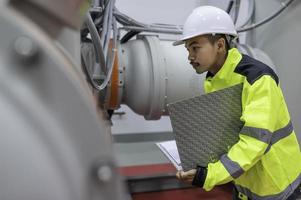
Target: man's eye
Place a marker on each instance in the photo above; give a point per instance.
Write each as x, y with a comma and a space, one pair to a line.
195, 48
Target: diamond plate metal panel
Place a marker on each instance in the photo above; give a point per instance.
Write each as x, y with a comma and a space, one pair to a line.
206, 126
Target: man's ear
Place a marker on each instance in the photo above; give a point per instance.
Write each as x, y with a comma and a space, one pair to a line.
221, 44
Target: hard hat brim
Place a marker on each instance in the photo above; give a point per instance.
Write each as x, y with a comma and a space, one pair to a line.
178, 42
182, 41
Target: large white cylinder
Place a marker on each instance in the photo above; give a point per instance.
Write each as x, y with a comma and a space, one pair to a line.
156, 73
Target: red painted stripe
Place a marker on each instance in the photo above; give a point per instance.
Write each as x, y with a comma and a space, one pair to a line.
143, 170
218, 193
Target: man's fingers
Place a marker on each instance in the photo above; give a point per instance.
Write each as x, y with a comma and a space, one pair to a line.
179, 175
186, 177
188, 174
191, 172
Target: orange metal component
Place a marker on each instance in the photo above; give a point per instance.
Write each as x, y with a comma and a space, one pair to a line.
113, 99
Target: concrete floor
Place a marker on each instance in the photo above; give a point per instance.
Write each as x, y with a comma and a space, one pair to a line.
138, 153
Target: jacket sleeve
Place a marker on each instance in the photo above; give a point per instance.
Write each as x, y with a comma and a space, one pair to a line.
259, 110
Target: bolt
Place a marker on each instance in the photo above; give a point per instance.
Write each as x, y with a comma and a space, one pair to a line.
25, 48
104, 173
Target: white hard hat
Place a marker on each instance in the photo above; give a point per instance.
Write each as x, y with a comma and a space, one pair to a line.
207, 20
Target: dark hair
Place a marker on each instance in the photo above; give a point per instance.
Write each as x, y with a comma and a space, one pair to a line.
213, 38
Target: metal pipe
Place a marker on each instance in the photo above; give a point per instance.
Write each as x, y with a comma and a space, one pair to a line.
264, 21
105, 24
99, 56
250, 13
155, 30
112, 60
108, 34
128, 21
230, 5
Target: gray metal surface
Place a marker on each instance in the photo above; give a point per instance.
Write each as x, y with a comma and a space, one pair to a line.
53, 143
206, 126
68, 12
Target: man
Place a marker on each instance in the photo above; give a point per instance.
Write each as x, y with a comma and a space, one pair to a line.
265, 163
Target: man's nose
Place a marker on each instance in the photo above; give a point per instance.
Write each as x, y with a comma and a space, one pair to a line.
190, 57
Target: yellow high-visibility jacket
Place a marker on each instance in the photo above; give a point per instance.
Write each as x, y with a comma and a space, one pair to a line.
266, 161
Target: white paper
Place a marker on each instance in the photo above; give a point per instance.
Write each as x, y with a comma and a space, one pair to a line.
170, 150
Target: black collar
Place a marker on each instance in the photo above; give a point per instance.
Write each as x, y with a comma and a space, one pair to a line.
209, 74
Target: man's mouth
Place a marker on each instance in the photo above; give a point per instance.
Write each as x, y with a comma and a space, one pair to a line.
194, 64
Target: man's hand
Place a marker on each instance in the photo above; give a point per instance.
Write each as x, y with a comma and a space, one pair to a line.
186, 177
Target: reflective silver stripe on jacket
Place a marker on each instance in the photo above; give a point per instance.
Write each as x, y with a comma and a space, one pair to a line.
264, 135
232, 167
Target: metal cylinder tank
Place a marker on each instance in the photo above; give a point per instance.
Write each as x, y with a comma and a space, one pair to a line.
156, 73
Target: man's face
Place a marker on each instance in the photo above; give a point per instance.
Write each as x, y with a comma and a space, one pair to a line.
202, 54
